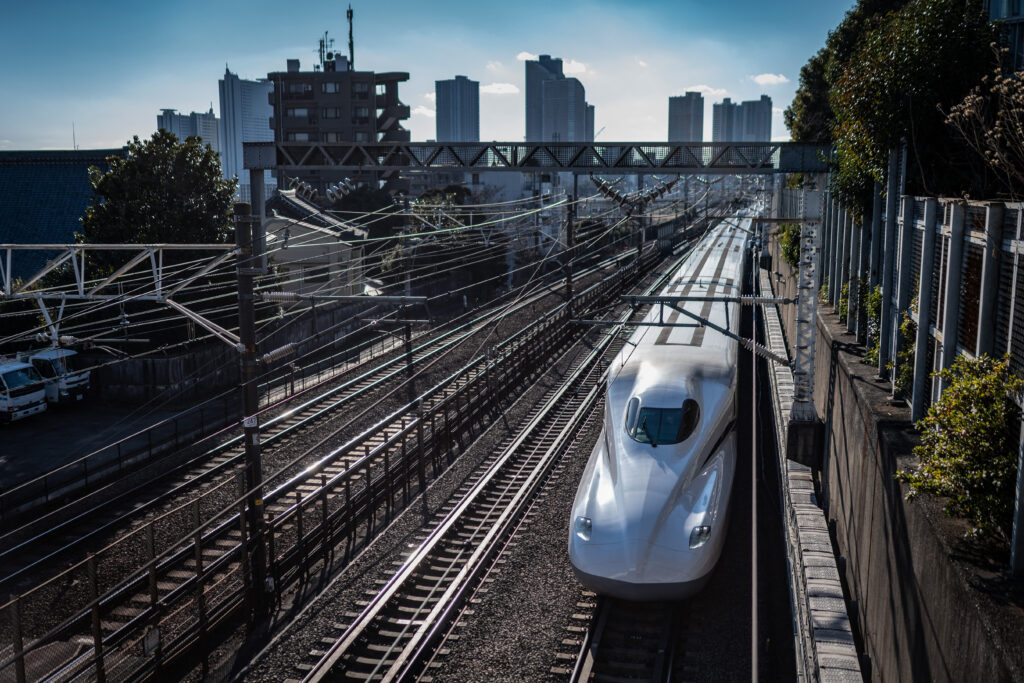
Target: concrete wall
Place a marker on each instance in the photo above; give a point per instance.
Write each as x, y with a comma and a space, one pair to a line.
917, 616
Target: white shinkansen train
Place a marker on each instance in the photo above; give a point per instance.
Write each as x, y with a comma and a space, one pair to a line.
652, 508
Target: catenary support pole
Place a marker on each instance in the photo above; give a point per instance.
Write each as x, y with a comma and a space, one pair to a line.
247, 268
1017, 543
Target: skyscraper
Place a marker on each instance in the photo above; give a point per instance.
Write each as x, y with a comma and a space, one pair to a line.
724, 122
458, 110
556, 106
757, 119
686, 117
565, 111
749, 121
184, 125
537, 72
245, 113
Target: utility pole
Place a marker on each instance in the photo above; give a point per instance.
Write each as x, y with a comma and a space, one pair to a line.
570, 238
247, 268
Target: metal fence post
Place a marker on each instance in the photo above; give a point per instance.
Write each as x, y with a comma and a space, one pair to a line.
833, 266
874, 277
887, 326
922, 373
951, 296
990, 278
853, 276
1017, 544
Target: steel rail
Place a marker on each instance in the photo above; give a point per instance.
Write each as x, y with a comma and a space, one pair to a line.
184, 589
426, 351
432, 627
440, 534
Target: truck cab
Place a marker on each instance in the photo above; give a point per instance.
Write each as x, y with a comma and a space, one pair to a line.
22, 392
60, 369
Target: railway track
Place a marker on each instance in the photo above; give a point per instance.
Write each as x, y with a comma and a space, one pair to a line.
630, 641
25, 554
170, 606
392, 637
396, 632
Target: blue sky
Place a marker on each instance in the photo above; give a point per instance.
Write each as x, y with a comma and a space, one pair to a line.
109, 67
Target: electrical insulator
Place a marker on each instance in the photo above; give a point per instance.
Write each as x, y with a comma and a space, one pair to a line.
278, 354
279, 296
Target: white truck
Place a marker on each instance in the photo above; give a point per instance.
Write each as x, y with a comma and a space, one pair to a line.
22, 391
62, 373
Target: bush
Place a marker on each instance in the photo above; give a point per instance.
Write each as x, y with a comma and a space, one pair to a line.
843, 306
969, 442
904, 377
823, 292
873, 307
789, 240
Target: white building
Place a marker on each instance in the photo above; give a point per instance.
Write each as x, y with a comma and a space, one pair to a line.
245, 114
183, 125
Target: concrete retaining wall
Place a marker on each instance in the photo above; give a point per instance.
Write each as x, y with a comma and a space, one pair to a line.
918, 617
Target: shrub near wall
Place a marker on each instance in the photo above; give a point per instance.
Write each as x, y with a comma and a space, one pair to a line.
969, 442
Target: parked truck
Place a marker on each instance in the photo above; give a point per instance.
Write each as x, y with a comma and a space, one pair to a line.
22, 390
62, 373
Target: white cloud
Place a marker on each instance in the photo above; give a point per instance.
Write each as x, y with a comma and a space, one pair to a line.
769, 79
573, 67
424, 111
523, 56
707, 90
778, 110
493, 66
499, 89
430, 96
641, 62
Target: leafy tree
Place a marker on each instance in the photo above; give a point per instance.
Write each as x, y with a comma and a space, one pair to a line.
968, 448
809, 117
912, 64
162, 191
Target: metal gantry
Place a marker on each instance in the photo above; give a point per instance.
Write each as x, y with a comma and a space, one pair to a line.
704, 158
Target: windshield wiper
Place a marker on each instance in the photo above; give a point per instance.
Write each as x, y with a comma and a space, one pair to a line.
650, 439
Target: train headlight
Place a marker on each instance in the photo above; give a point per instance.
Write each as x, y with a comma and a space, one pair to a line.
583, 527
699, 536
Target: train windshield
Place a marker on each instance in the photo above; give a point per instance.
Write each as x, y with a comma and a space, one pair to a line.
661, 425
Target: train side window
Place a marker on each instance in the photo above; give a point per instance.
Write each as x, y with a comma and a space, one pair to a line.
631, 409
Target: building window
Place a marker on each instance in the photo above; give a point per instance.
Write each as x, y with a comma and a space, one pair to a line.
299, 88
333, 137
297, 112
360, 90
332, 112
362, 136
331, 87
316, 274
297, 137
360, 115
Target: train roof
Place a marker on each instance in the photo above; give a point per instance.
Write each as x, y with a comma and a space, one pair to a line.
714, 267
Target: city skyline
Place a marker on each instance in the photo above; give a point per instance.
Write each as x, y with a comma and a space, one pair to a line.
670, 48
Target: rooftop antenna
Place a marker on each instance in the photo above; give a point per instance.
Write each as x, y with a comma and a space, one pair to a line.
325, 51
74, 139
351, 46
